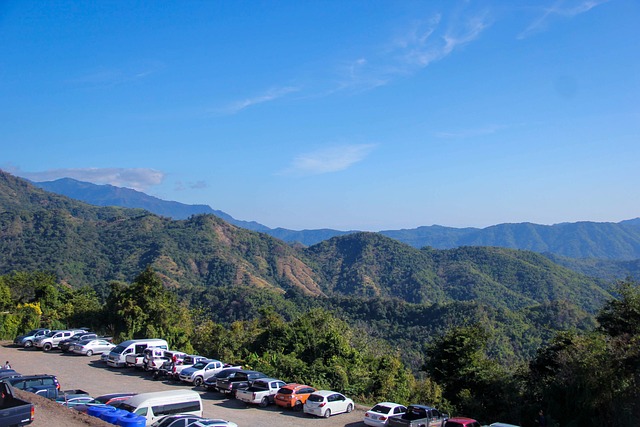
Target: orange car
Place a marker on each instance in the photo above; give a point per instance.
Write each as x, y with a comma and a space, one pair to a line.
293, 395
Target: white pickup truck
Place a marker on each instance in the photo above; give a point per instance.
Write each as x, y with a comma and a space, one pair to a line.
261, 392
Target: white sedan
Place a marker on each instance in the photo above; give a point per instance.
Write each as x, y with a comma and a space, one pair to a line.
324, 403
91, 347
379, 415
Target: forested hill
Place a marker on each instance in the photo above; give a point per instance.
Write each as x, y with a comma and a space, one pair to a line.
84, 244
615, 241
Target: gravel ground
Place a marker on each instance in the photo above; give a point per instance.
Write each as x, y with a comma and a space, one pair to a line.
91, 375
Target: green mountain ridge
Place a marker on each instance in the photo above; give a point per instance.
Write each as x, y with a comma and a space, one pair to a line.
84, 244
602, 240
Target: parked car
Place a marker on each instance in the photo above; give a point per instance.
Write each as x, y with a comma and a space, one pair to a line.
72, 398
26, 340
461, 422
187, 362
201, 371
52, 339
43, 385
91, 347
324, 403
418, 416
14, 411
8, 373
379, 415
211, 383
111, 399
178, 420
261, 392
212, 422
65, 344
242, 378
293, 395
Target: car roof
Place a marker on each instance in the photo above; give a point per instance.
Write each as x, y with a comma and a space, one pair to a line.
422, 406
325, 392
294, 386
393, 404
462, 419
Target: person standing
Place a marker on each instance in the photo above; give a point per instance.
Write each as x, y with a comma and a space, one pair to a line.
6, 365
542, 421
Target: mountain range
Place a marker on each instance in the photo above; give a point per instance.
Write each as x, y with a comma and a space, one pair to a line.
582, 240
90, 245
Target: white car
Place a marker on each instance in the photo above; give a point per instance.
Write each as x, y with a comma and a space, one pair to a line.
91, 347
324, 403
212, 422
379, 415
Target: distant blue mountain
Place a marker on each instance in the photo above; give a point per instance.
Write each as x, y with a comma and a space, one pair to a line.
601, 240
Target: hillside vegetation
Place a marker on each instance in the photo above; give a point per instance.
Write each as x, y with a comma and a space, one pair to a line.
612, 241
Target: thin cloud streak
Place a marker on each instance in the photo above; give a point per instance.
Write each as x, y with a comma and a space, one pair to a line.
139, 179
115, 76
559, 9
327, 160
426, 42
270, 95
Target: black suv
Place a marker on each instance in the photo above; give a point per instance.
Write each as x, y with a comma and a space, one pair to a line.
67, 343
43, 385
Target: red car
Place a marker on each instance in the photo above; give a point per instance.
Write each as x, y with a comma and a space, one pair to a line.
461, 422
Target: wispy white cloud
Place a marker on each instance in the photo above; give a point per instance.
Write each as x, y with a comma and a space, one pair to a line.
425, 42
137, 178
270, 95
331, 159
111, 76
562, 8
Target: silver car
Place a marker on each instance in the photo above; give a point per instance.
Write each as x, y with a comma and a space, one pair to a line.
91, 347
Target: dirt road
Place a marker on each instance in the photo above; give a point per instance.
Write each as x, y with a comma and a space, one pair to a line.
91, 375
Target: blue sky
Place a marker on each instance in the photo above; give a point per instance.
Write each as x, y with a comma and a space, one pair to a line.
366, 115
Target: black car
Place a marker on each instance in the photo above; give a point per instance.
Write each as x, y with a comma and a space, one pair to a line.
8, 373
43, 385
67, 343
210, 383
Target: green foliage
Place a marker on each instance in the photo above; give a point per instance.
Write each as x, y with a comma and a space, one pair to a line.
146, 309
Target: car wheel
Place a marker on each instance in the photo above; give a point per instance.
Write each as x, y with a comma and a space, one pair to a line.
197, 381
46, 347
349, 408
28, 344
297, 406
264, 402
89, 353
327, 413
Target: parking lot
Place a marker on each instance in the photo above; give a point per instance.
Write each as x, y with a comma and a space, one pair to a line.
91, 375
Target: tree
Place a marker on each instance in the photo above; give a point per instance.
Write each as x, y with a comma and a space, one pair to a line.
146, 309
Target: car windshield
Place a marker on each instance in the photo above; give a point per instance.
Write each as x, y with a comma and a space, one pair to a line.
383, 409
52, 333
118, 349
85, 342
201, 365
285, 391
316, 398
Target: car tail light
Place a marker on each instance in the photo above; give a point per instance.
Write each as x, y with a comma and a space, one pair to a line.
366, 415
322, 404
254, 396
33, 411
382, 418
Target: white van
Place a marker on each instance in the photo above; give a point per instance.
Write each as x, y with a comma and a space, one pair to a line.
118, 356
158, 404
